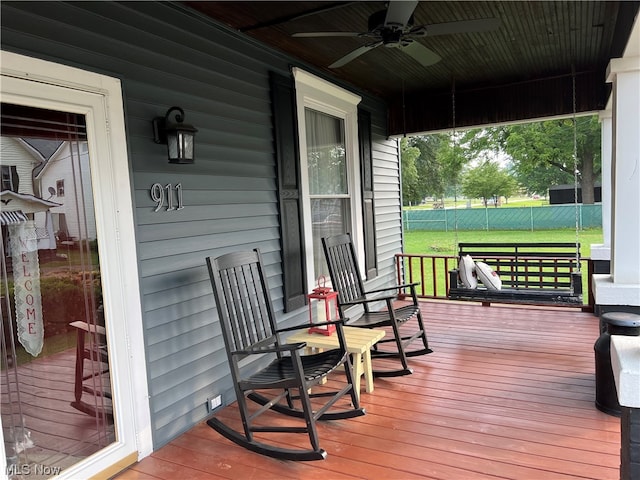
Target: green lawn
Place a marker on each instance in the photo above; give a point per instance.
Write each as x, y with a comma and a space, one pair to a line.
444, 243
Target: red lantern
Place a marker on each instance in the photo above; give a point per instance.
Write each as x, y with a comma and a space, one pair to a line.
323, 307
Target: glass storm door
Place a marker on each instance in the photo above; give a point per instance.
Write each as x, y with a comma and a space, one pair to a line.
74, 396
56, 388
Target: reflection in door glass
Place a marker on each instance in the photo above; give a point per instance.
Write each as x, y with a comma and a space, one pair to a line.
56, 404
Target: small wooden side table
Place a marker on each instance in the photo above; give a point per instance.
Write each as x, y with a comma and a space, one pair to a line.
359, 343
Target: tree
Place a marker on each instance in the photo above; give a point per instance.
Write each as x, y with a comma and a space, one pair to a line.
411, 193
488, 181
428, 166
452, 157
438, 166
542, 153
539, 155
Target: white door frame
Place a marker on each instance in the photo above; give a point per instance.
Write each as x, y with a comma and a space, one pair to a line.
37, 83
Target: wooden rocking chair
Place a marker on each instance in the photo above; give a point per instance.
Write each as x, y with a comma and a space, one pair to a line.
249, 330
346, 280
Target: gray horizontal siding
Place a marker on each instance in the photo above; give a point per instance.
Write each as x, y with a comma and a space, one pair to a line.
388, 204
386, 196
165, 55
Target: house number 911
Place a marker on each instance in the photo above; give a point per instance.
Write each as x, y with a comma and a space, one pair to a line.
168, 192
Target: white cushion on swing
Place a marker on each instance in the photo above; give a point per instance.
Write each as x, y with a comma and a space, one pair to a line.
488, 277
467, 272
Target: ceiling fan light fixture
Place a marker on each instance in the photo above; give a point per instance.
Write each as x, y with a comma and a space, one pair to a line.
391, 38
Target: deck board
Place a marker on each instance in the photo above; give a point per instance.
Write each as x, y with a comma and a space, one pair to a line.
507, 394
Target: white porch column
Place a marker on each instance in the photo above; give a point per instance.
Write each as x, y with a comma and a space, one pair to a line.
622, 286
602, 252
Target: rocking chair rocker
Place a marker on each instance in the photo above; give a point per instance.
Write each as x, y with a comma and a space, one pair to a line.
249, 330
346, 280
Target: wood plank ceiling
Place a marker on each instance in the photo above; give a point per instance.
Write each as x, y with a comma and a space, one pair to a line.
523, 69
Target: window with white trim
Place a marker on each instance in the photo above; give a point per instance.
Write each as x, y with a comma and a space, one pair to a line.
330, 168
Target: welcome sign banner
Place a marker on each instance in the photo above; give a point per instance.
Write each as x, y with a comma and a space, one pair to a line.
26, 284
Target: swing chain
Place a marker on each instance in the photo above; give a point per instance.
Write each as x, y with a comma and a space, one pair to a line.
455, 153
575, 167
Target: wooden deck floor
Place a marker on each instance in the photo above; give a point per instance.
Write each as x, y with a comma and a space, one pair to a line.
508, 393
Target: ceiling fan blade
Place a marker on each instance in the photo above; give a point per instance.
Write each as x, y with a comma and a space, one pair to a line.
464, 26
421, 54
325, 34
354, 54
399, 12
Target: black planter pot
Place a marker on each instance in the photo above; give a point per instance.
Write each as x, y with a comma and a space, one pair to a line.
616, 323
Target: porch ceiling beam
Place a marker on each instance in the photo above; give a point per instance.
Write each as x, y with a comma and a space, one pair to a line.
494, 104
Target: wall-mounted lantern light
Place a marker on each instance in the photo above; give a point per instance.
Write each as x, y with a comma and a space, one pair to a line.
178, 136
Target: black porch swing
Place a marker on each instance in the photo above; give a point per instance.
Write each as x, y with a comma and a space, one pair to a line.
521, 273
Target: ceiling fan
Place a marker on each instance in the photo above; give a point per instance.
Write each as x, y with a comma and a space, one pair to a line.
394, 28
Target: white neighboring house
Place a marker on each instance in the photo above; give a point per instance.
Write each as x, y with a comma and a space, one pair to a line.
60, 179
20, 201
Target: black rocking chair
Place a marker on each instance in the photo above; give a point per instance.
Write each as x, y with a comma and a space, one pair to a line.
346, 280
249, 330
